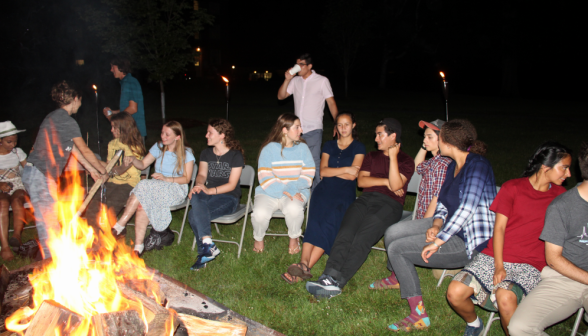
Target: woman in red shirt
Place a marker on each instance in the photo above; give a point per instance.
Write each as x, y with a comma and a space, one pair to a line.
500, 276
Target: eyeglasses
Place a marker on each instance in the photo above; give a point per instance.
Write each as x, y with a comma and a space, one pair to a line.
301, 64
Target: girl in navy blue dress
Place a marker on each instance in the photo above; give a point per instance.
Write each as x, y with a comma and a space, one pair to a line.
340, 163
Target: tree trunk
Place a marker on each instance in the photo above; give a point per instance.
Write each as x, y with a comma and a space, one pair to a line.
162, 101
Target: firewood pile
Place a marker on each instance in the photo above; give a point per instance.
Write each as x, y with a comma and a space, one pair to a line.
151, 319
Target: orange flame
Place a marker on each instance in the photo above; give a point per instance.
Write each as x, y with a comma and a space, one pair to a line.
225, 79
95, 87
442, 74
85, 267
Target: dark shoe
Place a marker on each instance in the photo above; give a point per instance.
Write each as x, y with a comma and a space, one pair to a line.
30, 249
14, 244
167, 237
325, 287
152, 241
472, 331
209, 252
122, 234
198, 265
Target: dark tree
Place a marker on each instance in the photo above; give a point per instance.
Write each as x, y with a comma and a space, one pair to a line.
155, 34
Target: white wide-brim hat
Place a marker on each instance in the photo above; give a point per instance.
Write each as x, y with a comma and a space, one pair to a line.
7, 128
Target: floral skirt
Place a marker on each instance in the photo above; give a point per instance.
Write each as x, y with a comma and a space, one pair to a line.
156, 197
479, 274
16, 184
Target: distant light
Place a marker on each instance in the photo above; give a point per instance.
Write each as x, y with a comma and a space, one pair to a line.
80, 62
266, 71
233, 67
254, 71
95, 87
442, 74
225, 79
198, 49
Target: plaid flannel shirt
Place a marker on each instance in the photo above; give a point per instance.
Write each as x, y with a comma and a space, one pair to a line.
433, 173
477, 189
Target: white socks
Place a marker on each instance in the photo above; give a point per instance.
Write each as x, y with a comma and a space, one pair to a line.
475, 324
140, 248
118, 228
207, 241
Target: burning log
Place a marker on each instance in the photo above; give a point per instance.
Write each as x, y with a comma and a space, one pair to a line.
52, 317
202, 327
122, 323
158, 317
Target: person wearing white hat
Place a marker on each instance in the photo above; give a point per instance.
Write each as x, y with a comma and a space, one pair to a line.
12, 191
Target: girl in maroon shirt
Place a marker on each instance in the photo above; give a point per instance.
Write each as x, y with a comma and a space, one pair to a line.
501, 275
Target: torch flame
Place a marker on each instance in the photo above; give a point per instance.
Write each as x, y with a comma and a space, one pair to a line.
442, 75
95, 87
86, 267
225, 79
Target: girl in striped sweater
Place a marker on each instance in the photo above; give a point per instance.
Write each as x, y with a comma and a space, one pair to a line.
285, 172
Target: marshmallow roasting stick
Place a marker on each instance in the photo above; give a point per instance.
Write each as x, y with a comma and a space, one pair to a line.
97, 185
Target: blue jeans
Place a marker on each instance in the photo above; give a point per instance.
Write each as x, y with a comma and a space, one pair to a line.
206, 208
41, 190
314, 140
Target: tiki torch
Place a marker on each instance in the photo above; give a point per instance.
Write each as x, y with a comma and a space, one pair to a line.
97, 121
227, 81
445, 94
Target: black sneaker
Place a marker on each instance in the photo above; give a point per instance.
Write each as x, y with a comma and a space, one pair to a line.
209, 252
325, 287
152, 241
167, 238
198, 265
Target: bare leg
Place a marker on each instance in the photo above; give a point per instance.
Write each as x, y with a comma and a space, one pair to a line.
18, 212
294, 246
141, 222
507, 304
458, 296
6, 251
310, 254
131, 208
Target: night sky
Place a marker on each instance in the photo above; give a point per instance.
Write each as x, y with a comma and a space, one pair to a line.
465, 39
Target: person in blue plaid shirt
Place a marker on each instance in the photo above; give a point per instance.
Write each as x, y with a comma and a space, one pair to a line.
460, 228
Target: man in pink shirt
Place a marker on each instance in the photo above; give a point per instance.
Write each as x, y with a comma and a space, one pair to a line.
310, 91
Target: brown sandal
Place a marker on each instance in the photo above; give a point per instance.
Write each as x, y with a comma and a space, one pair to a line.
293, 279
300, 270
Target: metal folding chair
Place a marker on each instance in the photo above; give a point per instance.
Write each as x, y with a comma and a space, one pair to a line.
581, 312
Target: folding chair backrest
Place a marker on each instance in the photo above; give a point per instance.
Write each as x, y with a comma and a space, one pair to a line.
413, 184
247, 176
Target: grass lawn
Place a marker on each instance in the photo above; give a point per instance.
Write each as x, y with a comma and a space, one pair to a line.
252, 285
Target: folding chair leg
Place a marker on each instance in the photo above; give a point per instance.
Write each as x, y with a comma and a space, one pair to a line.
183, 223
217, 231
489, 323
577, 323
441, 278
243, 230
194, 244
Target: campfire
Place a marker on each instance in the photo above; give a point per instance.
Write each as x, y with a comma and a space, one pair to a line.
94, 285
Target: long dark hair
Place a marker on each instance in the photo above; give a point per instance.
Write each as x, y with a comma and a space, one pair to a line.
462, 134
354, 133
223, 126
129, 133
548, 154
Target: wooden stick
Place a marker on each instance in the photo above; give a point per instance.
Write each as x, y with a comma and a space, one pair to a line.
87, 140
52, 317
97, 185
120, 323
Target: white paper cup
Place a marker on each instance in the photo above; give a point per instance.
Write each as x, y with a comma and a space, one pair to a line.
294, 69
